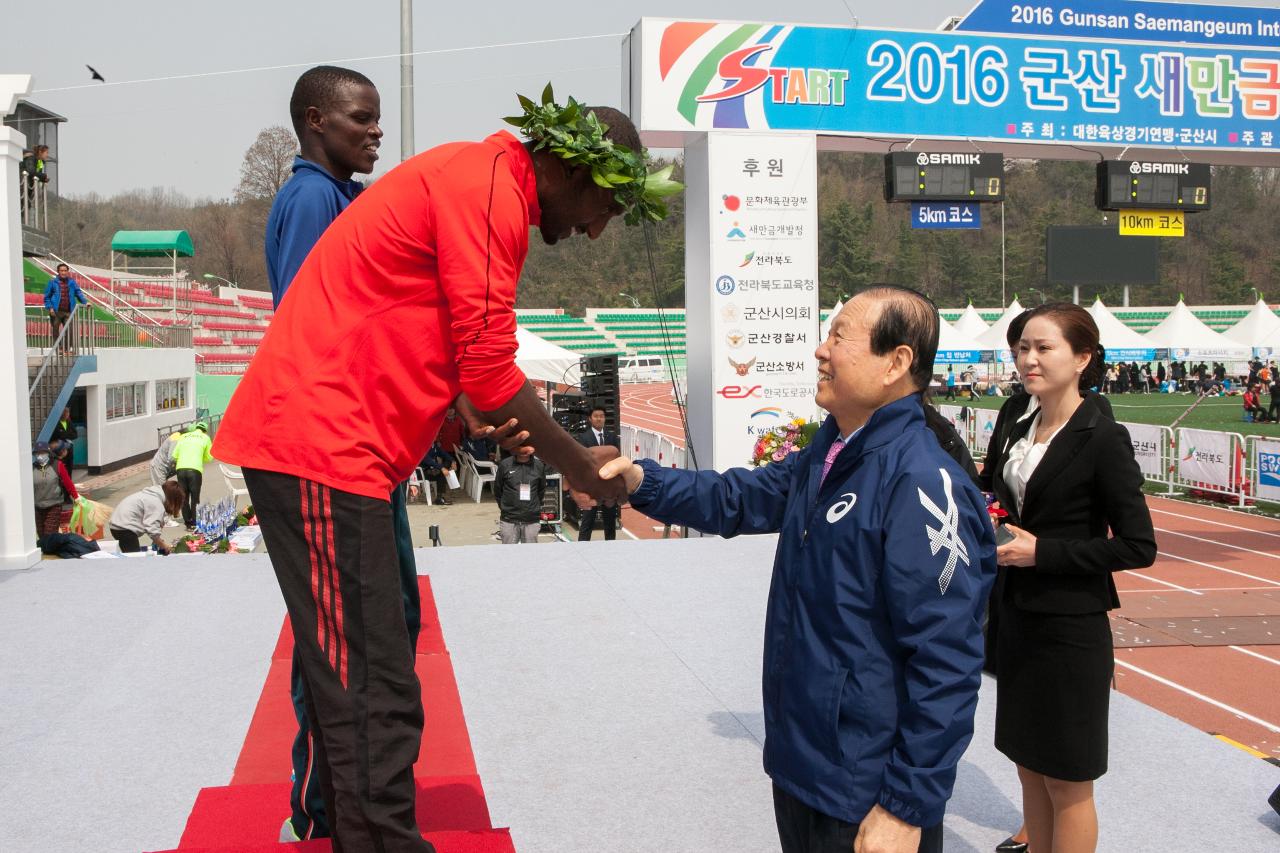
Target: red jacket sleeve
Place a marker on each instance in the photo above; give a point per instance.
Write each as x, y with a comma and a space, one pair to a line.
69, 486
482, 238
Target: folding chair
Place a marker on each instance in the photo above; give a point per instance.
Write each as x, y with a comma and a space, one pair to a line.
231, 476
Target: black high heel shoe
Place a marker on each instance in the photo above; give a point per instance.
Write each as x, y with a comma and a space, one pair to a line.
1010, 845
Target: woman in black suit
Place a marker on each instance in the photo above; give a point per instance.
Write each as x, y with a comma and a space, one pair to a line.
1064, 470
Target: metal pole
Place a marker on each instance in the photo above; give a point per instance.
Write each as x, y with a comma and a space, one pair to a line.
1002, 266
406, 79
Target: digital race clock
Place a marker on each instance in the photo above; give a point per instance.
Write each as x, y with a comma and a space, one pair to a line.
921, 176
1146, 185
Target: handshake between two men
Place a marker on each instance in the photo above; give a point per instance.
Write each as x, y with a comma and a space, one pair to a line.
593, 475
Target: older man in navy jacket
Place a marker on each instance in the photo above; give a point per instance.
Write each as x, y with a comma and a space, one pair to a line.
873, 640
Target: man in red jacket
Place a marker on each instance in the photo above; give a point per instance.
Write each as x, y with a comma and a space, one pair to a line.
406, 301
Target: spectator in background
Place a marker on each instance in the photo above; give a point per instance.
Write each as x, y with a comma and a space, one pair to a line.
1273, 411
435, 465
34, 167
60, 452
1160, 375
144, 513
598, 436
60, 297
1252, 402
47, 490
480, 448
453, 431
64, 430
1109, 381
162, 464
522, 481
190, 453
951, 383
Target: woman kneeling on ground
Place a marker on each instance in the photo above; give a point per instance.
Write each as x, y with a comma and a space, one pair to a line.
145, 512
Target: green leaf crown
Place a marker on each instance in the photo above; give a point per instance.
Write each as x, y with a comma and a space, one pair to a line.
578, 136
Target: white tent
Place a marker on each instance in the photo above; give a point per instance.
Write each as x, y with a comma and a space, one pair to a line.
970, 323
951, 338
993, 338
1258, 325
1187, 337
543, 361
1116, 336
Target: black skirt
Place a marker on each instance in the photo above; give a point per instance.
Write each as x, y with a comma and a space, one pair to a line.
1053, 689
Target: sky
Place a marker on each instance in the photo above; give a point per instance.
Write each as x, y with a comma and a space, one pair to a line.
190, 134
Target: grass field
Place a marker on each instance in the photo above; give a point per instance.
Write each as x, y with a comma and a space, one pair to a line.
1217, 413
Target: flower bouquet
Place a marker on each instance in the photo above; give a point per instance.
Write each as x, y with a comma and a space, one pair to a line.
194, 543
779, 443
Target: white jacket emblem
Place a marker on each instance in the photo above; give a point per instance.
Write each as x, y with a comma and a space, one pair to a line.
840, 508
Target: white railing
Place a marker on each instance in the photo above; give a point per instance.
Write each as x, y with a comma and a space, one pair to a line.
644, 444
33, 201
1212, 462
88, 333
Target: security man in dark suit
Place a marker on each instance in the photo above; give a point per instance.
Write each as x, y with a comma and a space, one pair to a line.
598, 436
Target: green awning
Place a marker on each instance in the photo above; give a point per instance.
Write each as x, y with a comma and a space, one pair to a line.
151, 244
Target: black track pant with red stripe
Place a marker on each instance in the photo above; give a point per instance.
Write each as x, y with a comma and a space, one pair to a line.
334, 556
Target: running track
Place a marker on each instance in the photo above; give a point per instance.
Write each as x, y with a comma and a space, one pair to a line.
1213, 564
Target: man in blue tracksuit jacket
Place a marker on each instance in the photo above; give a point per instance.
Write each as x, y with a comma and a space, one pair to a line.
61, 295
873, 640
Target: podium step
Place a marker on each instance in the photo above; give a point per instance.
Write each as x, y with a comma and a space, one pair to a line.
485, 841
252, 814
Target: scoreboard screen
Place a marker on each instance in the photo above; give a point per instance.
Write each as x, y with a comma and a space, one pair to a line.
921, 176
1144, 185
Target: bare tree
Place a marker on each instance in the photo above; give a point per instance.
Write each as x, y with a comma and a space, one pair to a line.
219, 229
267, 164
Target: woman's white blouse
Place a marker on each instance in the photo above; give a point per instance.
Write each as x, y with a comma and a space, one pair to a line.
1025, 455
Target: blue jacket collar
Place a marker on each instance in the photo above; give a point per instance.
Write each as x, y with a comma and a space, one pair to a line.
350, 189
885, 424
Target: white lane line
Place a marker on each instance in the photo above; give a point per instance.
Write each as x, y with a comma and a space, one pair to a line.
1273, 584
1203, 698
629, 533
1255, 654
1216, 523
1269, 554
1166, 583
1203, 589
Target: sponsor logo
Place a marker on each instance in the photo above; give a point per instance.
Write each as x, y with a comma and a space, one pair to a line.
725, 285
946, 537
736, 233
1204, 457
731, 202
840, 508
786, 85
924, 159
1269, 469
746, 260
1139, 168
772, 412
742, 368
735, 338
729, 313
739, 392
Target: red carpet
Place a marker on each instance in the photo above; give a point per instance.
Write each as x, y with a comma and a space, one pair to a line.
245, 817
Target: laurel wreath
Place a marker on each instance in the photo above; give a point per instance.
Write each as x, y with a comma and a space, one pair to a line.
577, 136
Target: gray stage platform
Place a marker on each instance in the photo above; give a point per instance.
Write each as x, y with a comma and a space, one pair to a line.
611, 691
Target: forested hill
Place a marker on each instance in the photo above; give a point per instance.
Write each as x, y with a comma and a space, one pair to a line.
863, 240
